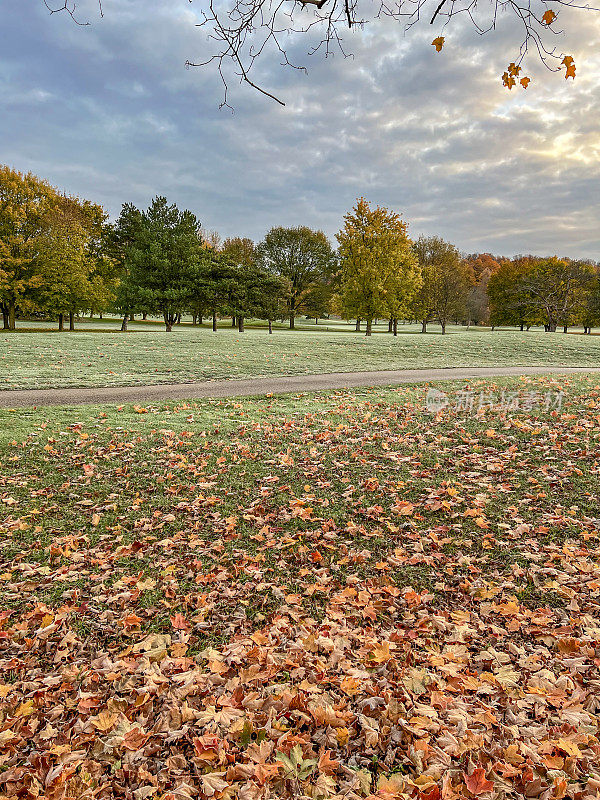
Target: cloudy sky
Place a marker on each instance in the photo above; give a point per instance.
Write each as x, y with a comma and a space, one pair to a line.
110, 112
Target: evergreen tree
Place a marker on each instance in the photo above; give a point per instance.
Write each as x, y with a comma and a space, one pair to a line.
160, 250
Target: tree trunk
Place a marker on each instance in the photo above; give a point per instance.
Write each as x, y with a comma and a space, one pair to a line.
5, 317
168, 327
522, 326
131, 318
200, 320
565, 329
240, 320
214, 321
395, 327
194, 319
124, 323
270, 326
71, 321
12, 315
369, 327
145, 315
61, 325
357, 326
424, 326
100, 315
179, 319
233, 321
292, 321
390, 325
316, 320
443, 324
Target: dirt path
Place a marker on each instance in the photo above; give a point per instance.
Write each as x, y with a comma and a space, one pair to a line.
260, 386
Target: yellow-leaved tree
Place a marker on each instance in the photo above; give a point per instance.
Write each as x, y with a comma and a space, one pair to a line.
25, 202
379, 273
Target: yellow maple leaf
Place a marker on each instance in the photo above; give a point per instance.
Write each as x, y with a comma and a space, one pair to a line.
525, 82
438, 43
350, 686
381, 653
104, 721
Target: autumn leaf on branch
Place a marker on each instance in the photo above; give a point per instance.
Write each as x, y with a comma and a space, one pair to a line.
509, 78
438, 43
569, 63
548, 17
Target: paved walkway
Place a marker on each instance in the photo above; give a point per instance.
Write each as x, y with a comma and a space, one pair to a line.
261, 386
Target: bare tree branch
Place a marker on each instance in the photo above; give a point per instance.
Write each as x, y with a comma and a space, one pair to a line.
245, 30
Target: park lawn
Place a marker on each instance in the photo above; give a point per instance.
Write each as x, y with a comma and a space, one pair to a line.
150, 356
304, 596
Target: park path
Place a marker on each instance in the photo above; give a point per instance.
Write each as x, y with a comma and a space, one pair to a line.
19, 398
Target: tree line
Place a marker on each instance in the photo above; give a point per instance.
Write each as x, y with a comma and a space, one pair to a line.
60, 257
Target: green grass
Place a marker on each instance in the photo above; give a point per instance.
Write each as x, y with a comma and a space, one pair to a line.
147, 355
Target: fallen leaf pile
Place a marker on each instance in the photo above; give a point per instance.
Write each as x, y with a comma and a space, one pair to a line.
325, 597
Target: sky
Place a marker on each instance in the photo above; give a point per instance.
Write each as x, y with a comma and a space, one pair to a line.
109, 112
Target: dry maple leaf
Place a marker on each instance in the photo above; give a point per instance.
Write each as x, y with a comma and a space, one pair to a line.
569, 63
477, 783
438, 43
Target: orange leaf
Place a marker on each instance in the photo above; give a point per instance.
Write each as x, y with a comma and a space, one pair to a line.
548, 17
508, 80
327, 765
477, 783
569, 63
438, 43
525, 82
179, 622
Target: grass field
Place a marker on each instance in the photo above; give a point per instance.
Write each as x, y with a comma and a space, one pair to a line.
147, 355
304, 596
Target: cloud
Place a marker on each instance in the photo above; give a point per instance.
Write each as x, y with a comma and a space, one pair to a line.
109, 112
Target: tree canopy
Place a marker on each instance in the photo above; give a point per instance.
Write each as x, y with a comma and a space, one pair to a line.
378, 270
303, 258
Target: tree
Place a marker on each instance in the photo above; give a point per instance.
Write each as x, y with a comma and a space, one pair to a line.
446, 280
590, 312
556, 287
25, 202
215, 284
378, 271
242, 253
509, 302
65, 262
245, 30
257, 293
482, 266
303, 257
161, 248
121, 243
